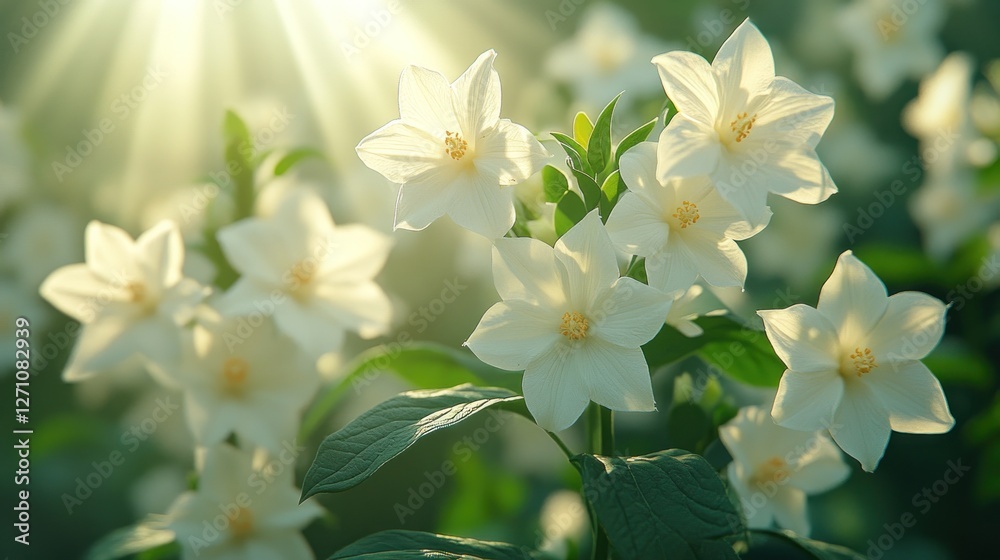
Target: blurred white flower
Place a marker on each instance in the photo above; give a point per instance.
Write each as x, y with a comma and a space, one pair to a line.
750, 131
315, 279
252, 382
14, 157
892, 40
682, 227
451, 152
563, 520
949, 211
241, 512
854, 363
774, 469
130, 295
42, 237
571, 323
608, 54
689, 305
796, 243
855, 155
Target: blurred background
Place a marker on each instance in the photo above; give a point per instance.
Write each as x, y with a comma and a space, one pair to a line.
113, 111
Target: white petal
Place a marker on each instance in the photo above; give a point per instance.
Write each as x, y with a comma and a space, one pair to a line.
793, 116
356, 252
686, 148
254, 248
245, 297
109, 251
591, 265
512, 334
638, 169
636, 226
312, 329
789, 505
719, 261
715, 214
618, 377
820, 468
361, 307
745, 192
689, 82
744, 66
911, 327
425, 101
671, 270
803, 338
630, 314
861, 425
807, 401
511, 153
483, 206
913, 397
162, 253
77, 291
526, 269
555, 390
402, 153
421, 202
797, 175
853, 299
477, 96
287, 545
304, 222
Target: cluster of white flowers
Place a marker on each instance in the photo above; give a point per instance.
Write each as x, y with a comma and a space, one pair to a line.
244, 358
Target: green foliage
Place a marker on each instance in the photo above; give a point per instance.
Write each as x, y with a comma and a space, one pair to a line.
670, 504
352, 454
635, 137
582, 128
554, 184
403, 545
295, 156
610, 191
569, 211
575, 151
599, 148
239, 163
814, 549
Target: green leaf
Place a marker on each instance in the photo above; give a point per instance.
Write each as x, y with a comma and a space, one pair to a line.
239, 151
352, 454
295, 156
398, 544
129, 540
815, 549
670, 504
590, 189
425, 365
599, 148
576, 152
582, 128
569, 211
610, 191
554, 183
634, 138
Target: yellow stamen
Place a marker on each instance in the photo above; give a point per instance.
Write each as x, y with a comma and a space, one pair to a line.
742, 125
302, 273
574, 326
234, 374
454, 145
687, 214
136, 291
864, 361
241, 526
774, 469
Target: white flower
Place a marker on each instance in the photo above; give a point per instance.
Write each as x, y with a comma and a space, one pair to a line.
451, 152
854, 363
241, 511
690, 305
130, 295
607, 55
774, 469
797, 243
253, 383
750, 131
682, 227
949, 211
314, 278
892, 40
571, 323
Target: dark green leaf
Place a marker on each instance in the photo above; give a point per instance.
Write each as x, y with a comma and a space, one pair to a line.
582, 128
129, 540
569, 211
634, 138
404, 545
815, 549
590, 189
599, 148
352, 454
576, 152
670, 504
425, 365
554, 183
610, 191
295, 156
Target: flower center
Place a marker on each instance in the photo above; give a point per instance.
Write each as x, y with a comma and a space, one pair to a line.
687, 214
863, 360
742, 125
302, 273
774, 469
454, 145
136, 291
574, 326
241, 526
234, 375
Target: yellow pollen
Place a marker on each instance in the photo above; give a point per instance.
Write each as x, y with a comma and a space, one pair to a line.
864, 361
136, 291
234, 374
774, 469
241, 526
454, 145
742, 125
574, 326
302, 273
687, 214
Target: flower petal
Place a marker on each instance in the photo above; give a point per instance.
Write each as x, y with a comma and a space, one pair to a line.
555, 390
513, 334
636, 226
511, 153
672, 270
356, 252
483, 206
792, 115
861, 425
591, 264
312, 329
477, 97
108, 251
618, 377
820, 468
789, 506
686, 148
361, 307
525, 269
421, 202
402, 153
911, 327
744, 67
77, 291
630, 314
162, 253
689, 82
803, 338
745, 192
425, 101
254, 249
719, 261
853, 299
807, 401
913, 397
797, 175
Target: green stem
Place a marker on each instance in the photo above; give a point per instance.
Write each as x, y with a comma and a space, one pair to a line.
566, 450
601, 439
